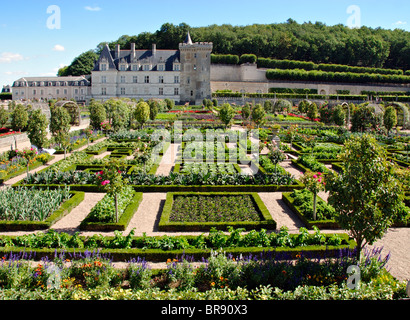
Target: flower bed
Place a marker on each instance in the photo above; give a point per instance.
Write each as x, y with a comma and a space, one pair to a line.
24, 209
204, 211
14, 163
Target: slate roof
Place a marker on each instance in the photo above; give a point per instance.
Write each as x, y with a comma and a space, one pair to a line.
36, 81
143, 56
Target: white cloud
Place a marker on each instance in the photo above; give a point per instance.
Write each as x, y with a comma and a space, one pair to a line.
8, 57
400, 23
89, 8
58, 47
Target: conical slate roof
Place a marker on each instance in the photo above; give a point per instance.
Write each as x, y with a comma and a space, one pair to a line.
188, 39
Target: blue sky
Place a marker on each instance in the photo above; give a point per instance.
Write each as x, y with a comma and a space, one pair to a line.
29, 47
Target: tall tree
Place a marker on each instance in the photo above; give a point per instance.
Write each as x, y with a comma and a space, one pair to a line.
390, 118
142, 113
366, 195
37, 128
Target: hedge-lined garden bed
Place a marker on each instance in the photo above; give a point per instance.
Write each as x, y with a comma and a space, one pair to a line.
324, 223
25, 225
92, 223
175, 214
159, 249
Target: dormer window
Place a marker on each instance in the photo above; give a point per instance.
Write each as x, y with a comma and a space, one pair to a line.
135, 67
146, 67
103, 67
177, 67
123, 67
161, 67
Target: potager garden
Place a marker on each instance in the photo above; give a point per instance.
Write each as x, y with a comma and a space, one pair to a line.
215, 236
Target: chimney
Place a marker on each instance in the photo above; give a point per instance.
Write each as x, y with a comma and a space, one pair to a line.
154, 49
117, 51
133, 50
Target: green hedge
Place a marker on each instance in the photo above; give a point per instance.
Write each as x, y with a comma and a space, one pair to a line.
158, 255
65, 209
165, 225
321, 224
309, 66
314, 75
123, 222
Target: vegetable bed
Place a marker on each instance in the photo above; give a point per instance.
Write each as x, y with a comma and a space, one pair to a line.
203, 211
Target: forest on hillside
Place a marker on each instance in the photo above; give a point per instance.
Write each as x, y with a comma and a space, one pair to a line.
315, 42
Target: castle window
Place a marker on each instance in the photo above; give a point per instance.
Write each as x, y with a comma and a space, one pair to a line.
146, 79
161, 91
135, 79
122, 79
103, 79
122, 91
176, 79
104, 91
176, 91
161, 79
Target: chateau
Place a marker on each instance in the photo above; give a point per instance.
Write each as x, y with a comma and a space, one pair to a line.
181, 75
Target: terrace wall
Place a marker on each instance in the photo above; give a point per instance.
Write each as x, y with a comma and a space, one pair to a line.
249, 78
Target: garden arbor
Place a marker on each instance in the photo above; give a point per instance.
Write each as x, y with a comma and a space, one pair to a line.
403, 113
344, 105
73, 109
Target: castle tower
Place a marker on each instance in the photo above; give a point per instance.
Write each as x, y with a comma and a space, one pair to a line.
196, 70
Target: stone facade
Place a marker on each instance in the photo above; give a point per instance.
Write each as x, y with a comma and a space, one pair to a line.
181, 75
46, 88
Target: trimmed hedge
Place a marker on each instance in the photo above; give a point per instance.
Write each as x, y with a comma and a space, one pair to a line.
321, 224
314, 75
165, 225
65, 209
158, 255
123, 222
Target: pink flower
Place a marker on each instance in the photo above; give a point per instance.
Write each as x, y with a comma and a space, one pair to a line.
315, 176
319, 180
105, 182
319, 173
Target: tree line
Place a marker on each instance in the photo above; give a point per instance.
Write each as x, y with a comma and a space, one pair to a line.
315, 42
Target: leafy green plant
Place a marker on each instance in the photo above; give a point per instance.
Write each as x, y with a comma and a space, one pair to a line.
30, 204
104, 211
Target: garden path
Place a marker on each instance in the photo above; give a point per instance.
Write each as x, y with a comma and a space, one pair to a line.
168, 160
70, 223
